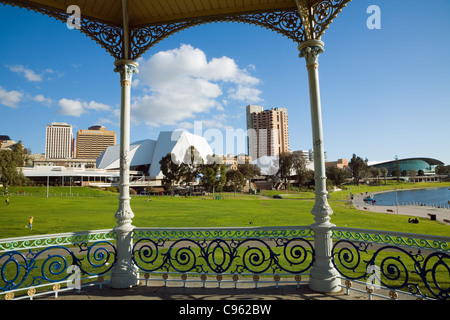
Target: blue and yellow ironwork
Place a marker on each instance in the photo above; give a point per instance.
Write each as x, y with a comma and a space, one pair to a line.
418, 264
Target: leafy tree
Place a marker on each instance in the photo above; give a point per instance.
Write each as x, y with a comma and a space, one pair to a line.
357, 166
235, 180
299, 166
412, 174
249, 171
384, 172
397, 172
191, 164
10, 161
172, 173
442, 170
375, 172
284, 166
337, 175
213, 174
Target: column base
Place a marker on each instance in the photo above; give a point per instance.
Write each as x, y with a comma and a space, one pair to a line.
327, 282
323, 276
124, 277
125, 273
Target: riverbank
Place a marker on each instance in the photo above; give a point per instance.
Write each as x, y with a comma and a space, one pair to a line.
440, 214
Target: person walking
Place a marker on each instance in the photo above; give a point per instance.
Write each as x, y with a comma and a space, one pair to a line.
7, 202
30, 223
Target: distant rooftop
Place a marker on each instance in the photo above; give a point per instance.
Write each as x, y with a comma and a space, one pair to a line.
4, 138
96, 127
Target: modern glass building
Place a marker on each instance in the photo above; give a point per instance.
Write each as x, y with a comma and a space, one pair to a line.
427, 165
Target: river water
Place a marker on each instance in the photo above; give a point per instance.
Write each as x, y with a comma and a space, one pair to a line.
435, 197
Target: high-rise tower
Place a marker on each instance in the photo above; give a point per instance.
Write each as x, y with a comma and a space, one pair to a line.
92, 142
267, 131
59, 141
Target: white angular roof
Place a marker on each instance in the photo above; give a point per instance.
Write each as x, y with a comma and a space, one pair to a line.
150, 152
140, 152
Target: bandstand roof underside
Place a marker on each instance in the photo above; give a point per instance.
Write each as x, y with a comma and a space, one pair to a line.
150, 21
148, 12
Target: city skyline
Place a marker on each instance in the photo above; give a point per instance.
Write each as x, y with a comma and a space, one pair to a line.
384, 92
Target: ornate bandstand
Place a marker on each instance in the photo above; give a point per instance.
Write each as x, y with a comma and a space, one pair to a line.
126, 29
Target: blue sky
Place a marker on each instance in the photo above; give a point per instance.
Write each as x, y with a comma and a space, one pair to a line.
384, 92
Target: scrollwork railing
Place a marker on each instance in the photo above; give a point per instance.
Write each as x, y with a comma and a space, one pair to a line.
417, 264
224, 251
33, 261
419, 241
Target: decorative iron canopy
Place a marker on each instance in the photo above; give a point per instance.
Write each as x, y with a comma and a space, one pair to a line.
150, 21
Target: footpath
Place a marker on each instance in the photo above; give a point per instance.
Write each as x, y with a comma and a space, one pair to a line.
439, 214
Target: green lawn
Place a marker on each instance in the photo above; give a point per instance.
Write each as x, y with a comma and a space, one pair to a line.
67, 214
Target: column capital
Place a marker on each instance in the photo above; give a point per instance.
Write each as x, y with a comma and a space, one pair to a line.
126, 68
122, 62
310, 50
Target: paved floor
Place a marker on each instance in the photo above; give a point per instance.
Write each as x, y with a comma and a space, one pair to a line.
285, 292
195, 291
195, 302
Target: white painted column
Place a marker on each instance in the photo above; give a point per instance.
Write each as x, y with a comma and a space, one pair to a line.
323, 275
124, 273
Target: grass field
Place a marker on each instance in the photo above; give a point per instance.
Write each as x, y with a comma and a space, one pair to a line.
94, 209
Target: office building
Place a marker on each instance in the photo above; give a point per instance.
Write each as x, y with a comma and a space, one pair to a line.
92, 142
59, 142
267, 131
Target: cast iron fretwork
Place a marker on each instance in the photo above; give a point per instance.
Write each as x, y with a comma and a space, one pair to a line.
110, 37
323, 13
287, 23
302, 24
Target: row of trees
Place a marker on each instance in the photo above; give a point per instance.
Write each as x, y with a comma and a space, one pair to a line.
358, 169
211, 175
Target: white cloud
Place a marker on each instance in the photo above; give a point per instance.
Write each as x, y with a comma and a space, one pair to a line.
96, 106
245, 93
41, 99
76, 108
33, 76
181, 83
29, 74
70, 107
10, 98
216, 121
13, 98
